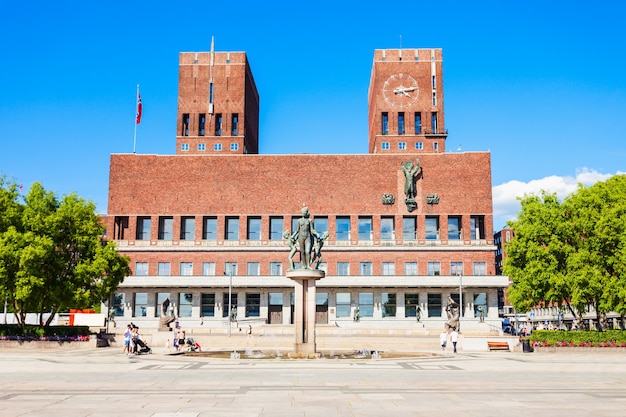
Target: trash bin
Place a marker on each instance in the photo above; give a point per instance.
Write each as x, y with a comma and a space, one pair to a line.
526, 346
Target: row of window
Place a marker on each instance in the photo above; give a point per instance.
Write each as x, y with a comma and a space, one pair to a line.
417, 123
209, 304
276, 268
402, 146
343, 228
218, 126
217, 147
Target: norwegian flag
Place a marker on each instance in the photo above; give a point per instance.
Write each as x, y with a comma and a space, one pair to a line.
138, 118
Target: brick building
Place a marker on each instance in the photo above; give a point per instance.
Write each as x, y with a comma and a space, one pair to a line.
209, 220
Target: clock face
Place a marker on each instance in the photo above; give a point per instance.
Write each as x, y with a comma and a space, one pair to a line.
400, 90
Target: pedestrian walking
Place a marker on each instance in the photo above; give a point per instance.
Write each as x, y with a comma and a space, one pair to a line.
454, 338
443, 339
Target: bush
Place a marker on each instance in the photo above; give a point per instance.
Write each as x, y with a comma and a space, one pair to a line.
49, 333
608, 338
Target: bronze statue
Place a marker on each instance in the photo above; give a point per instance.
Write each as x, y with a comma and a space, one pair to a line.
317, 250
292, 245
304, 232
453, 311
411, 172
166, 318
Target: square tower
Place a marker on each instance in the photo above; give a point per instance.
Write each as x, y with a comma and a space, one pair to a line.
405, 101
218, 104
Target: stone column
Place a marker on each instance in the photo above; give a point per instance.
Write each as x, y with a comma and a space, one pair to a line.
304, 309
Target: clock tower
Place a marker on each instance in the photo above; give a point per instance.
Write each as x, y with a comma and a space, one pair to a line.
405, 101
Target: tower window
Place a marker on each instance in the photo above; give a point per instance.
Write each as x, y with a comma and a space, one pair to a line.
433, 122
434, 83
218, 124
201, 146
234, 124
217, 147
185, 127
434, 98
384, 146
418, 123
184, 146
435, 146
401, 123
201, 123
234, 146
211, 93
419, 146
401, 146
385, 123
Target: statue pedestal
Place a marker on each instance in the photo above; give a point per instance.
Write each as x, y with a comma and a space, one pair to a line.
304, 309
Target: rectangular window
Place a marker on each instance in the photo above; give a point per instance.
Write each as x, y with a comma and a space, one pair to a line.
386, 228
434, 268
435, 146
232, 228
254, 228
201, 147
160, 298
187, 228
409, 228
342, 228
218, 124
118, 304
201, 124
208, 268
141, 268
217, 147
410, 268
389, 268
211, 92
384, 146
432, 227
480, 268
276, 228
401, 146
164, 269
209, 228
401, 123
186, 268
343, 304
185, 126
418, 123
230, 268
234, 146
234, 124
276, 268
434, 83
419, 146
233, 304
166, 228
411, 303
207, 305
385, 123
141, 304
480, 304
389, 304
365, 228
343, 268
434, 98
454, 227
185, 302
477, 227
434, 305
365, 268
253, 305
254, 268
433, 122
143, 228
366, 304
320, 224
184, 147
456, 268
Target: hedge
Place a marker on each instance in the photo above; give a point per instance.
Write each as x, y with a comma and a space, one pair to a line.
34, 332
608, 338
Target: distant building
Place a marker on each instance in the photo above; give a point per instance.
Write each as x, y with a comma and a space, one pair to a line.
398, 248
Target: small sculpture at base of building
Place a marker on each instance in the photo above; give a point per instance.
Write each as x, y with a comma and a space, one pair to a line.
453, 311
166, 315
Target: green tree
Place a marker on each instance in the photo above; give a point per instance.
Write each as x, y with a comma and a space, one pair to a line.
53, 257
571, 254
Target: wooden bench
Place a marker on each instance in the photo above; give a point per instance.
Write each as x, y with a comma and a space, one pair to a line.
498, 345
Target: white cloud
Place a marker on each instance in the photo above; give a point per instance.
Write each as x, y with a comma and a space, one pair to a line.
506, 206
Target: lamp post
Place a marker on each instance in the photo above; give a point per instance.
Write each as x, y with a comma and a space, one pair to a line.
460, 298
230, 293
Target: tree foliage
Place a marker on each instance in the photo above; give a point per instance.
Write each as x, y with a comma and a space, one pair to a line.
572, 253
52, 256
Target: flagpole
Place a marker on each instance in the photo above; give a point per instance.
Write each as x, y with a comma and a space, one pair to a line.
135, 134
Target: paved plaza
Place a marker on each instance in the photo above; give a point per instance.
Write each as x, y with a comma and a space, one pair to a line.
104, 382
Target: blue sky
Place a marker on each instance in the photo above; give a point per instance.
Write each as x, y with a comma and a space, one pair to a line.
539, 84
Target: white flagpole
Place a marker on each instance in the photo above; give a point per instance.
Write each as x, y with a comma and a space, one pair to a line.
136, 108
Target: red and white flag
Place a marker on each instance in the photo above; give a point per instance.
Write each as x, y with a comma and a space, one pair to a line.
138, 118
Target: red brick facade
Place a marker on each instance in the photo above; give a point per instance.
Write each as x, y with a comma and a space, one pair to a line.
189, 190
